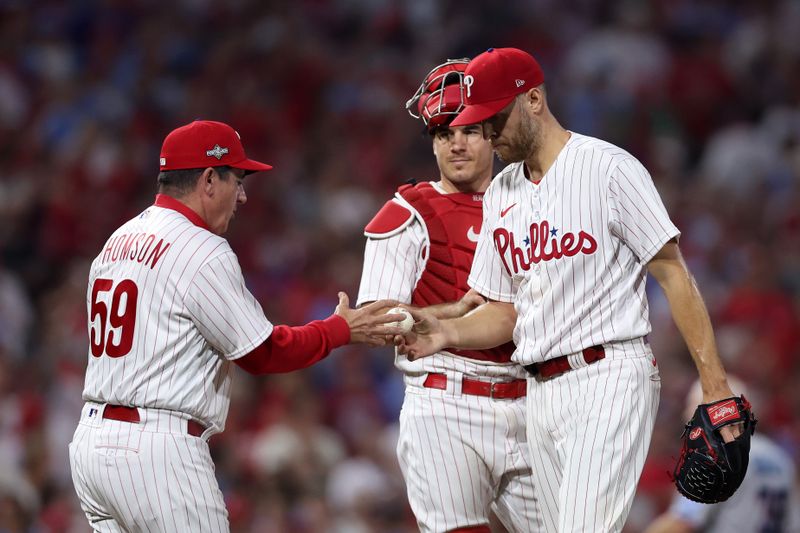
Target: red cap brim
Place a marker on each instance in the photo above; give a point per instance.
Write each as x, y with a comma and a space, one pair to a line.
475, 113
250, 165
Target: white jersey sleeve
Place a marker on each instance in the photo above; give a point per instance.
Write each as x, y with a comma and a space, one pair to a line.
224, 311
488, 276
393, 265
637, 214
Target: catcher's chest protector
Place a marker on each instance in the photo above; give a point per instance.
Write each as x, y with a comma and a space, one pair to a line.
454, 223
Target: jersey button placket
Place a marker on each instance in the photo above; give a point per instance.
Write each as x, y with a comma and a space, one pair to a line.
537, 213
537, 269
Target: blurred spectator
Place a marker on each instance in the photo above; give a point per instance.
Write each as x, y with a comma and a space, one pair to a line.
16, 315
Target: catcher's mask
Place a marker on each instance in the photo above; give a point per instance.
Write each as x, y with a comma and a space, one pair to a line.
441, 96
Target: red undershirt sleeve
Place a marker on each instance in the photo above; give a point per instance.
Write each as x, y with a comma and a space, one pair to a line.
295, 347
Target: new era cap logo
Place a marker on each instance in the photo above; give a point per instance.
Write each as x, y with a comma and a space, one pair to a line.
519, 83
468, 81
216, 152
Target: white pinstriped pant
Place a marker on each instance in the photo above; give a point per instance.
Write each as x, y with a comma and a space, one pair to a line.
150, 476
462, 455
589, 430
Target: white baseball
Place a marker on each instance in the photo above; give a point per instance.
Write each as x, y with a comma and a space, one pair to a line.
406, 324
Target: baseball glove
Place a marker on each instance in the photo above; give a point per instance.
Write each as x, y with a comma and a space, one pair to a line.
710, 470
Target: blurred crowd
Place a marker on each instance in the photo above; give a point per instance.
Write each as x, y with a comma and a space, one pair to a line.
706, 93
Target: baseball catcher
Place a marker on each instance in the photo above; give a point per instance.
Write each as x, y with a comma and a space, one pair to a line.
709, 470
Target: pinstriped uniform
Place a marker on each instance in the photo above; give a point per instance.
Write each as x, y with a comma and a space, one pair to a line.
570, 252
168, 310
150, 476
461, 455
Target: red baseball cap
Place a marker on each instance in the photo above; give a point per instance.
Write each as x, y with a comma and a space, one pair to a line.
493, 79
205, 143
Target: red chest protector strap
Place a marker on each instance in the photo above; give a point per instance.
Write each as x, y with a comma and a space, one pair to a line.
448, 219
441, 281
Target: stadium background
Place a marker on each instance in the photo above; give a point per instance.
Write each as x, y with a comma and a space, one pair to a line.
706, 93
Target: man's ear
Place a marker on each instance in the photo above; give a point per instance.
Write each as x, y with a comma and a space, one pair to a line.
535, 99
207, 181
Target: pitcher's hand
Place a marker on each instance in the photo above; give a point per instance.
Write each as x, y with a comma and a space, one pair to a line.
428, 336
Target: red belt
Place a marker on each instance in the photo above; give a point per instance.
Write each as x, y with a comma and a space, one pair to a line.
123, 413
559, 365
507, 390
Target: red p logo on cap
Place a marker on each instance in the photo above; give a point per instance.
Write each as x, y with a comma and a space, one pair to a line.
493, 79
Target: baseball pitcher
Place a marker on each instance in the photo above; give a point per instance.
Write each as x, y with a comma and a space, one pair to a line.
572, 226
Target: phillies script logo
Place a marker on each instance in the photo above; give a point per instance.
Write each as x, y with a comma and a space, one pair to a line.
543, 244
723, 412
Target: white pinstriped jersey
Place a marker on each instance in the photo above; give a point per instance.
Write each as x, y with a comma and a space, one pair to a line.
571, 251
168, 311
392, 268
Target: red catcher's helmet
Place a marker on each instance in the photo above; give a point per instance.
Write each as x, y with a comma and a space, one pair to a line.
441, 96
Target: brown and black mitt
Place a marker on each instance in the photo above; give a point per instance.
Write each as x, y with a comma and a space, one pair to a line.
710, 470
